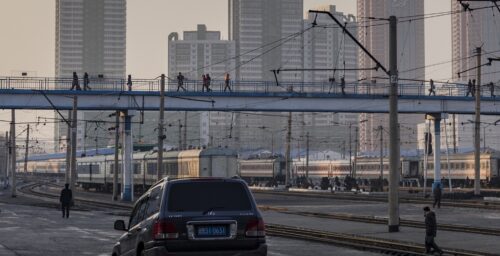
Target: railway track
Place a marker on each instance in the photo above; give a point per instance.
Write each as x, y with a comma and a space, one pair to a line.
359, 242
383, 246
462, 204
383, 221
30, 190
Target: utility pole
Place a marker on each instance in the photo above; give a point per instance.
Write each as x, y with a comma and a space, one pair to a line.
161, 137
13, 153
184, 145
350, 151
477, 153
73, 143
67, 175
343, 149
355, 151
288, 139
7, 155
454, 135
381, 130
116, 169
84, 138
393, 129
26, 149
180, 136
307, 156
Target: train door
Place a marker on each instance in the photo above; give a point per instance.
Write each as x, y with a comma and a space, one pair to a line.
414, 169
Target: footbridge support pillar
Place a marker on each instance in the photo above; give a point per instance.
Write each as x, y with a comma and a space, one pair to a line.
436, 118
127, 151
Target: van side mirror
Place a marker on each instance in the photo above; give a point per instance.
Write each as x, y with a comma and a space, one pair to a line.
120, 225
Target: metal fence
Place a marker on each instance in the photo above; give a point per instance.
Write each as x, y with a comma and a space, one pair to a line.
219, 86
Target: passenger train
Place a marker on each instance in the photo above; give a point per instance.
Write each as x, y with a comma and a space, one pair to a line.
412, 167
97, 171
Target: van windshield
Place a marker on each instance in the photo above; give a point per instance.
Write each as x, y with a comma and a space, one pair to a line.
208, 196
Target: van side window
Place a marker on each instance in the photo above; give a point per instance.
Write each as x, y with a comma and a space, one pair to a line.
154, 201
138, 213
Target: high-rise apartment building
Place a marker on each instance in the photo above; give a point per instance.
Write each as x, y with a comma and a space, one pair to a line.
90, 37
327, 47
374, 35
268, 36
469, 30
202, 52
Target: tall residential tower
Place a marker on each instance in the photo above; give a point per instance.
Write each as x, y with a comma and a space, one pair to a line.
373, 33
90, 37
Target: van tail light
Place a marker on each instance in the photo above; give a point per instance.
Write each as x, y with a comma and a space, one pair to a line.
255, 228
163, 229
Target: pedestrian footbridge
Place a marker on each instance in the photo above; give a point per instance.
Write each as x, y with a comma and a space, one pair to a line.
144, 95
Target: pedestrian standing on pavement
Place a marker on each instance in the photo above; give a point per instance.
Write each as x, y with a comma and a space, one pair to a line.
86, 82
180, 82
430, 232
75, 84
227, 81
432, 89
129, 82
437, 196
65, 199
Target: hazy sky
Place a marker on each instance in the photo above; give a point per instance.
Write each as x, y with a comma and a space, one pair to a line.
27, 29
27, 34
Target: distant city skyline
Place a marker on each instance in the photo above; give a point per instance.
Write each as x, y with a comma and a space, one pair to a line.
148, 26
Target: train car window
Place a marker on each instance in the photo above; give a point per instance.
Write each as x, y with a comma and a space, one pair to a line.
112, 168
137, 168
95, 169
82, 169
151, 168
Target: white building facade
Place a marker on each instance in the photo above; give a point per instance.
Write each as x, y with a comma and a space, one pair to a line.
202, 52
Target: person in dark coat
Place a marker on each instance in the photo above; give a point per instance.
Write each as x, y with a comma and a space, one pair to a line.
209, 81
129, 82
204, 82
492, 89
180, 82
227, 82
342, 85
86, 82
75, 84
470, 89
432, 88
65, 200
437, 196
430, 232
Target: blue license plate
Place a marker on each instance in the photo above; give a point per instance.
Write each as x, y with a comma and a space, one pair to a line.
211, 231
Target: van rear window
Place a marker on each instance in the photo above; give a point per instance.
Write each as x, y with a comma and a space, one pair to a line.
208, 196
